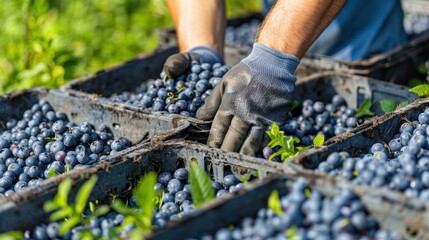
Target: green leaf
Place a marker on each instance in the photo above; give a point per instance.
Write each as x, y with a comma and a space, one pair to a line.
294, 105
63, 192
159, 199
274, 203
415, 82
145, 194
307, 192
275, 135
13, 235
319, 140
291, 233
112, 234
51, 172
388, 105
421, 90
91, 207
201, 185
365, 109
68, 225
62, 213
101, 211
86, 235
121, 208
422, 69
83, 194
244, 180
403, 103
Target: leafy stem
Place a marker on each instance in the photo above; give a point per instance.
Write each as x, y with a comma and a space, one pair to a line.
287, 143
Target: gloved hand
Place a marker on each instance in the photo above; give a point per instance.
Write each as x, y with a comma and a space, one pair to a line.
178, 63
250, 97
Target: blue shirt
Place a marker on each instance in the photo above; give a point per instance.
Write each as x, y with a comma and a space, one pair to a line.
361, 29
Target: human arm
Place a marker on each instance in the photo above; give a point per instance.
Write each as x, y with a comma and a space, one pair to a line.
200, 27
258, 91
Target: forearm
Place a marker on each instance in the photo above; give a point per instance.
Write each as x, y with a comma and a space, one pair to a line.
199, 23
293, 25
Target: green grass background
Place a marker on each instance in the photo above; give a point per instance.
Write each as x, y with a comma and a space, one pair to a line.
49, 42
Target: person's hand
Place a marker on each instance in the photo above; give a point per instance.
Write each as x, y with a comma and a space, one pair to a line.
250, 97
178, 63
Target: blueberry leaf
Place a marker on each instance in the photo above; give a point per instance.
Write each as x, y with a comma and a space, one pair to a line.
365, 109
421, 90
403, 103
145, 195
319, 140
422, 69
83, 194
388, 105
201, 185
294, 105
415, 82
13, 235
274, 203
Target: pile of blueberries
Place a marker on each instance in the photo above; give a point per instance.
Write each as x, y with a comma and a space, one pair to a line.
183, 95
44, 143
312, 215
401, 165
177, 203
177, 195
314, 118
243, 35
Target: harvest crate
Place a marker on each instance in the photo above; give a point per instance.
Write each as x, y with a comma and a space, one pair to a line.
392, 212
25, 210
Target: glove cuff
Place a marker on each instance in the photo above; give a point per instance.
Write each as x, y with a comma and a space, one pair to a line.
207, 55
272, 63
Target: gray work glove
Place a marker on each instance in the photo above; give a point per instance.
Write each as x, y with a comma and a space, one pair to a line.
178, 63
250, 97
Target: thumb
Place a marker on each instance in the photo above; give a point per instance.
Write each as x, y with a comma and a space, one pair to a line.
178, 63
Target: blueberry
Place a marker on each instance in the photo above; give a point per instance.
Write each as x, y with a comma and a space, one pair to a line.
15, 169
97, 146
45, 158
172, 108
337, 100
174, 185
229, 180
82, 158
69, 140
57, 146
267, 151
196, 69
19, 186
34, 172
319, 107
52, 230
202, 85
60, 156
117, 145
181, 174
5, 182
59, 127
164, 178
170, 208
181, 196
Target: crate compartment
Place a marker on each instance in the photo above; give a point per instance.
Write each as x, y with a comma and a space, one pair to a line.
393, 214
118, 176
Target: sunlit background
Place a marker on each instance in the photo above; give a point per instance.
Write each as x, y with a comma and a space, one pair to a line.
49, 42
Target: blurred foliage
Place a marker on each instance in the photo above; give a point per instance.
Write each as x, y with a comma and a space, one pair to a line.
49, 42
